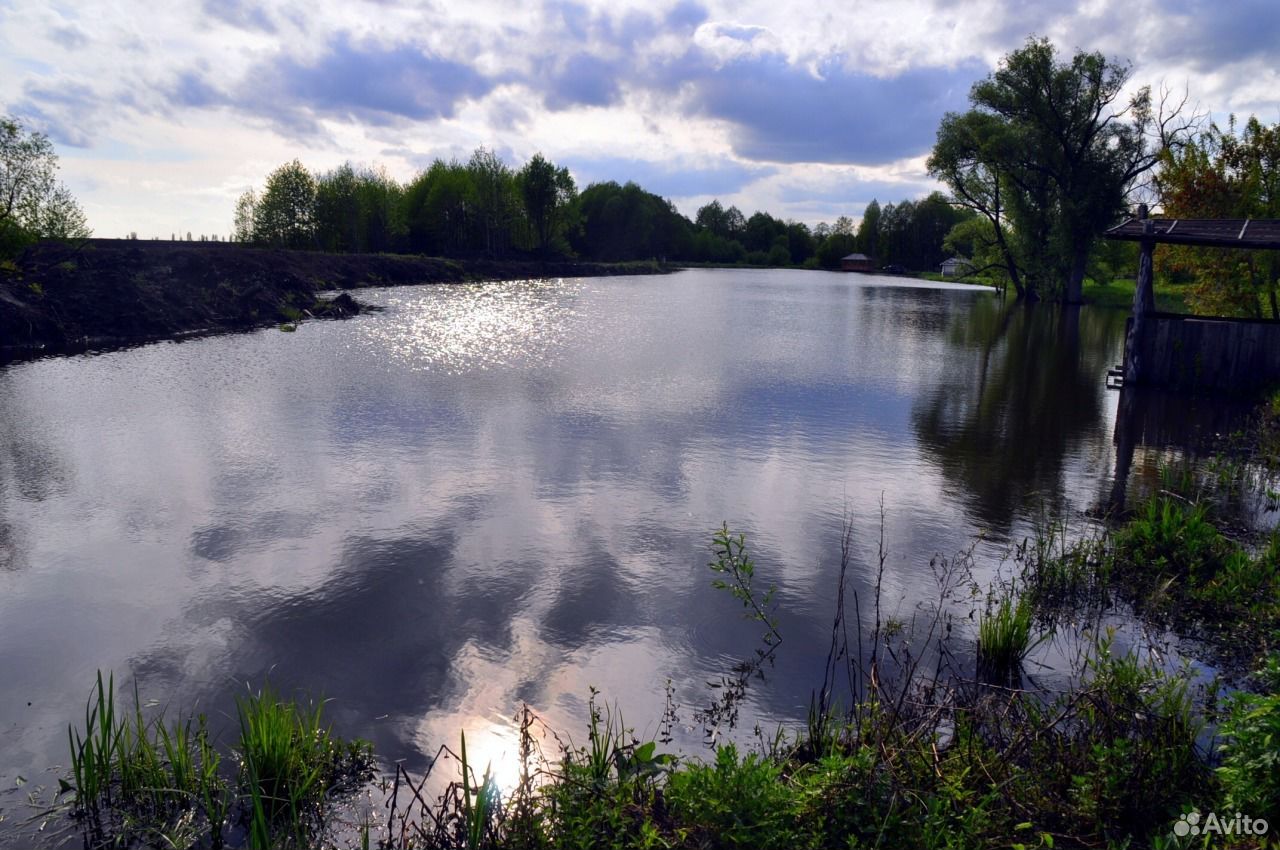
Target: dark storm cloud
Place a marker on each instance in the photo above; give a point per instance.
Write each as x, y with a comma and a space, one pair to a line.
663, 179
783, 113
361, 81
778, 111
1208, 34
583, 80
686, 15
1214, 34
191, 89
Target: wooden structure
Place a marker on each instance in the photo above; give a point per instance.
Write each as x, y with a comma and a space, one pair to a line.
1199, 354
1191, 352
857, 263
955, 267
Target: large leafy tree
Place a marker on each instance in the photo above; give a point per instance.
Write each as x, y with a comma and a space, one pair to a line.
338, 214
1049, 154
547, 192
496, 205
383, 225
285, 215
968, 158
628, 223
33, 202
1225, 174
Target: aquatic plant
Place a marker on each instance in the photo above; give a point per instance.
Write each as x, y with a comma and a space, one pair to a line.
139, 779
1004, 636
1250, 769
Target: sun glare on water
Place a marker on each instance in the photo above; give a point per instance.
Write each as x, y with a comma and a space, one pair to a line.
454, 328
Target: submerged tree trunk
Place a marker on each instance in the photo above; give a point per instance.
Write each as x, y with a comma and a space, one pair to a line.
1010, 264
1074, 293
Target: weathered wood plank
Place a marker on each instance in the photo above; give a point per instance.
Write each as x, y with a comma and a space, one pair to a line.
1204, 355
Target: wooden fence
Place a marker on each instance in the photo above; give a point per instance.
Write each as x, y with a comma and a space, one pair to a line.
1196, 354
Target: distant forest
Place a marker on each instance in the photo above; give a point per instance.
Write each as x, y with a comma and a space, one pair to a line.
484, 207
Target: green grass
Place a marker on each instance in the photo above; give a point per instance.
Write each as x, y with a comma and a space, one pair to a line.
1250, 769
1119, 294
139, 780
285, 752
1004, 636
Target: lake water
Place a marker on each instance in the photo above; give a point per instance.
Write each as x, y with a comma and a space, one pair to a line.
484, 495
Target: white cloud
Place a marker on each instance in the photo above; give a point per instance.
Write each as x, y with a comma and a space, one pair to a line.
229, 90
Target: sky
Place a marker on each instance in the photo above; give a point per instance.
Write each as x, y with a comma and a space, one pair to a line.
164, 113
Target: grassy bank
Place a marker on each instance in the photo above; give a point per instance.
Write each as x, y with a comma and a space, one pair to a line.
922, 735
1119, 294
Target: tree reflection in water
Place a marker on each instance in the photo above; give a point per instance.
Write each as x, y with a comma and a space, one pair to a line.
1022, 388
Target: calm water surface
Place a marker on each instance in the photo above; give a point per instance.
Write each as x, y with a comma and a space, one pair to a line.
492, 494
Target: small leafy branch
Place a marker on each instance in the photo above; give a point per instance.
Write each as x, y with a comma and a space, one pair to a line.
736, 572
733, 562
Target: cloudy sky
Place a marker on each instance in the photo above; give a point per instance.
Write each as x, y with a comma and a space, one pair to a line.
164, 112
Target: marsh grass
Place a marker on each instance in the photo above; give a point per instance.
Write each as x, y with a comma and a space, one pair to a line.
285, 753
142, 781
1004, 636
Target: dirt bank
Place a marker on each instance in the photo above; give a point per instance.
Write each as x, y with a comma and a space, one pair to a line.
112, 292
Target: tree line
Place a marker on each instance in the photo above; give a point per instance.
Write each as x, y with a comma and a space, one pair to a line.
485, 207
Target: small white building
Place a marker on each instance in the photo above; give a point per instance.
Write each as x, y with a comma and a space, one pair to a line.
956, 267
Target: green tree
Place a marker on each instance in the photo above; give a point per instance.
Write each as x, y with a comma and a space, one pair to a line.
383, 225
800, 241
286, 212
495, 200
711, 217
245, 206
627, 223
440, 209
968, 157
869, 230
338, 214
33, 202
1053, 139
1225, 174
547, 192
837, 245
762, 231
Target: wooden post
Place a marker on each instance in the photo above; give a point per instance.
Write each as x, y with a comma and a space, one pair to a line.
1144, 303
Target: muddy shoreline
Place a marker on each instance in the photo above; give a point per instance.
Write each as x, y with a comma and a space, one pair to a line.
107, 293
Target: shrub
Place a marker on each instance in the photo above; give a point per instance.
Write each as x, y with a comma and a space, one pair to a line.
734, 802
1250, 770
1173, 539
